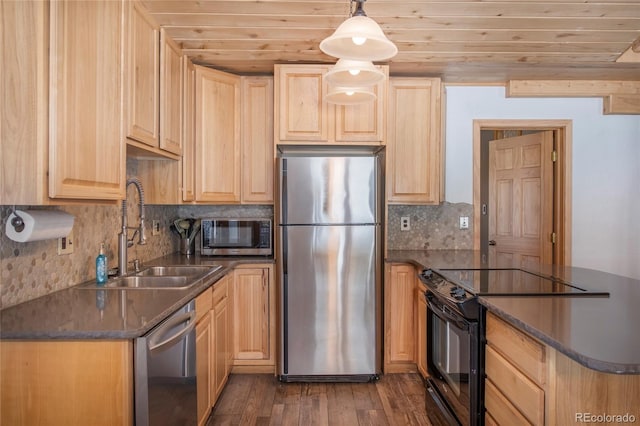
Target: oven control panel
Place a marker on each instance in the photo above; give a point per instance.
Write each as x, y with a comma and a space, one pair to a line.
450, 293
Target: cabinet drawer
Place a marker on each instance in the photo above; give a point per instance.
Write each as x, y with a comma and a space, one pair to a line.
203, 303
525, 395
499, 409
220, 291
521, 350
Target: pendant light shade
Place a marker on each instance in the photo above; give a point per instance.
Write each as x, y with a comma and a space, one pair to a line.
350, 95
359, 38
351, 73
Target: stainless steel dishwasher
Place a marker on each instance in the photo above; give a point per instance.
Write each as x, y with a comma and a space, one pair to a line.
165, 372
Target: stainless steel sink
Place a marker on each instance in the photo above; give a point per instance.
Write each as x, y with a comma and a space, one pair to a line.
157, 278
189, 271
150, 282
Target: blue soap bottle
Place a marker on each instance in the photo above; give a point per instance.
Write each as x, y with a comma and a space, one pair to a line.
101, 266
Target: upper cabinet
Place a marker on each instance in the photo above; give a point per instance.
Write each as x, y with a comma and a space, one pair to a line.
217, 168
170, 95
144, 79
303, 116
188, 130
154, 95
257, 140
233, 139
86, 149
414, 143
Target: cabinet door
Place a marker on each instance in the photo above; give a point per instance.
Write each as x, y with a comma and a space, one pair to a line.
421, 331
257, 140
413, 141
203, 366
220, 348
188, 130
24, 102
86, 146
253, 317
144, 78
363, 122
217, 136
170, 95
302, 113
399, 315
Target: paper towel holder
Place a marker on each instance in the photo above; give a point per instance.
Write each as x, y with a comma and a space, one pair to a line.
16, 221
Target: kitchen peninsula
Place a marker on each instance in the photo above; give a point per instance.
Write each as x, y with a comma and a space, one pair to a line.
584, 349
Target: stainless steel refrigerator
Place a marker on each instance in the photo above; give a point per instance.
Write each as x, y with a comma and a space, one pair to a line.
330, 263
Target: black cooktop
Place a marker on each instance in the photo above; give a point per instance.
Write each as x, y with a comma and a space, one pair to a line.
513, 282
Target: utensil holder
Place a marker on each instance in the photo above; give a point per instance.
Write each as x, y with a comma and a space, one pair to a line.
187, 247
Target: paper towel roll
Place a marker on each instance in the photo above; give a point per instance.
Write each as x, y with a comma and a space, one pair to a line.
40, 225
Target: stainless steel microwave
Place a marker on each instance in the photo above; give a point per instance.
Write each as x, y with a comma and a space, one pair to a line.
236, 237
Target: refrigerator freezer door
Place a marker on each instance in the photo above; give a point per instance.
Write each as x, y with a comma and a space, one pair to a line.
330, 299
329, 190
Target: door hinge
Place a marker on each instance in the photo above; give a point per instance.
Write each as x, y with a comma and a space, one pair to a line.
554, 155
553, 238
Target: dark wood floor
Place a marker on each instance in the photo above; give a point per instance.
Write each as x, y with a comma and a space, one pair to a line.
259, 399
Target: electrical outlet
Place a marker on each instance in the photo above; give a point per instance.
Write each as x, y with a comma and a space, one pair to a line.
464, 222
65, 244
155, 227
405, 223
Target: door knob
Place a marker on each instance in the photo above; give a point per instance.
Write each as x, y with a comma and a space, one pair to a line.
492, 242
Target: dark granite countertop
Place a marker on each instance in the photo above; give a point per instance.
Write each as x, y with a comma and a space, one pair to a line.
83, 313
597, 332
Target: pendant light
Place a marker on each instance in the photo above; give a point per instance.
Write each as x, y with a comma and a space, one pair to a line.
351, 73
359, 38
350, 95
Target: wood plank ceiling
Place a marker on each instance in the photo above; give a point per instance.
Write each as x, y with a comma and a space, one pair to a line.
461, 41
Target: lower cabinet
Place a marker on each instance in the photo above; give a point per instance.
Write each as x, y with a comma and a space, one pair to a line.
213, 344
221, 343
516, 374
66, 382
204, 339
421, 329
399, 318
254, 319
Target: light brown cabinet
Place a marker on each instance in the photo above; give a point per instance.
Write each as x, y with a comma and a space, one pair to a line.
144, 78
516, 375
217, 168
420, 303
257, 140
221, 325
254, 318
204, 344
303, 116
154, 124
24, 151
399, 318
170, 95
86, 148
414, 143
187, 165
73, 382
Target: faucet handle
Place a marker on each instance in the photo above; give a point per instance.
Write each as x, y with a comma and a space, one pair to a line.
136, 265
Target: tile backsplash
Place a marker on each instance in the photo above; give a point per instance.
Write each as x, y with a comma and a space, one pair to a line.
432, 227
33, 269
30, 270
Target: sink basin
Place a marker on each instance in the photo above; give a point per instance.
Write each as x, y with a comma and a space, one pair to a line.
157, 278
189, 271
176, 282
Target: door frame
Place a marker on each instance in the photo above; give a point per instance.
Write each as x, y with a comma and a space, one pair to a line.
563, 135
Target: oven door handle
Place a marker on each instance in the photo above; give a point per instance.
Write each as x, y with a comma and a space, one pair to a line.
187, 318
447, 316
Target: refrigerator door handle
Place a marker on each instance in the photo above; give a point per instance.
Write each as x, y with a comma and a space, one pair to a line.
283, 193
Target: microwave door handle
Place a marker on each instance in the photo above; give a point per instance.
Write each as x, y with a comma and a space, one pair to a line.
187, 318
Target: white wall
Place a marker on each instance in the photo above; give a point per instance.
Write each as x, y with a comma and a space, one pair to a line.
606, 168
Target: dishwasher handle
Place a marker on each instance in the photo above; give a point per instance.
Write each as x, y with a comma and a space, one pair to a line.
187, 318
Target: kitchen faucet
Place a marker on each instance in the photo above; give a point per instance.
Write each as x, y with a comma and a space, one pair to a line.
123, 241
